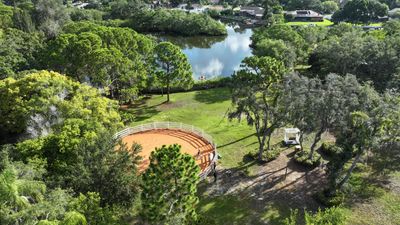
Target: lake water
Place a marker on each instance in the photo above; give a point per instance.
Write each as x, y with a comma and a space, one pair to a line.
215, 56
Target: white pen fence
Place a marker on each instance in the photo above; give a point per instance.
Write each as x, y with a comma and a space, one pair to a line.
175, 126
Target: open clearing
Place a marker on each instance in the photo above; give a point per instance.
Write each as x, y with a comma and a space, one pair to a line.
251, 193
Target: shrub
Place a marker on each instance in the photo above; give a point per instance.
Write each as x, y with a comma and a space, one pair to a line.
214, 13
303, 159
268, 155
127, 117
331, 216
330, 200
330, 148
250, 156
271, 154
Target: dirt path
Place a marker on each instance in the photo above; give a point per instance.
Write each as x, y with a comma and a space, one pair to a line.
279, 180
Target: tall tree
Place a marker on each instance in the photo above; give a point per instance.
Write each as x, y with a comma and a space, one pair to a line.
105, 166
360, 130
118, 60
303, 96
173, 69
45, 102
292, 39
18, 51
25, 199
256, 94
50, 16
169, 187
361, 11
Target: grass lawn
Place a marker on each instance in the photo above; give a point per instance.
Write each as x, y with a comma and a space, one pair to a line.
373, 204
323, 23
208, 110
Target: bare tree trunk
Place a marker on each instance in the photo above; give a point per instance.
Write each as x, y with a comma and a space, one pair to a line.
317, 138
269, 141
301, 139
261, 150
168, 91
168, 94
260, 142
346, 178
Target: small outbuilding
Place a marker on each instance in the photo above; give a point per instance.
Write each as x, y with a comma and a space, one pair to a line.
292, 136
252, 11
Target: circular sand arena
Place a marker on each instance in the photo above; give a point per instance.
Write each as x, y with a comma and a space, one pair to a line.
193, 141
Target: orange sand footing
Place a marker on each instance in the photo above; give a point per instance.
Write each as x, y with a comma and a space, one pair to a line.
191, 144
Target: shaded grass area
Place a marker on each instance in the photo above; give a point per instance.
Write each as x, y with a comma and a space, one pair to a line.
373, 200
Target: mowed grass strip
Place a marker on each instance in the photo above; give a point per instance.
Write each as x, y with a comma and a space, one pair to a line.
324, 23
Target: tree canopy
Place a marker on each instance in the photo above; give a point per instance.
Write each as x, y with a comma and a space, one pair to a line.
361, 11
44, 102
173, 68
169, 187
256, 94
118, 60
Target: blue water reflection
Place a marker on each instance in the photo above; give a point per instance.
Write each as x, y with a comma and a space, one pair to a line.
215, 56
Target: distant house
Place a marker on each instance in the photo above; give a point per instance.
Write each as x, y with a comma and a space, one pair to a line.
214, 2
304, 15
80, 5
252, 11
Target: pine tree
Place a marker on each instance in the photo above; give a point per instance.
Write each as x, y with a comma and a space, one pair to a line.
169, 187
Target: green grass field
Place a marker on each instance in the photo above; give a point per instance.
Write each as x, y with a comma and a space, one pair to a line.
208, 110
323, 23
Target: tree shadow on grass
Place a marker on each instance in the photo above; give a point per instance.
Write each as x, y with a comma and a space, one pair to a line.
141, 110
238, 140
211, 96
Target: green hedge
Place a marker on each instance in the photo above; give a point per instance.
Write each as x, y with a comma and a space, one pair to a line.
329, 201
303, 159
198, 85
176, 22
268, 155
330, 149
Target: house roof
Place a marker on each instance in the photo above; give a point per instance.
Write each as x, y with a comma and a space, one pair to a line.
304, 13
252, 9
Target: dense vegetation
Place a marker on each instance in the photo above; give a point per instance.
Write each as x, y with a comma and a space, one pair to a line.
175, 22
342, 49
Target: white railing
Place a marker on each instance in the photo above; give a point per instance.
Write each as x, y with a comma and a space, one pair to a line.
176, 126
